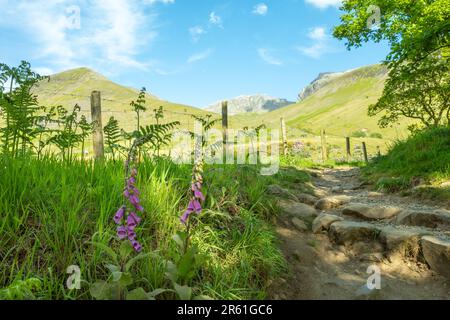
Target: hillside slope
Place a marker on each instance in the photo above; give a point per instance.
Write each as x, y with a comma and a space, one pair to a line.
75, 86
339, 105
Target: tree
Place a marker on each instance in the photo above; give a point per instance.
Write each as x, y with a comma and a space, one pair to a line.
418, 32
418, 91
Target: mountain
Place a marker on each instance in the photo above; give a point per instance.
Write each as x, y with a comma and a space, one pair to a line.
336, 102
258, 103
326, 78
75, 86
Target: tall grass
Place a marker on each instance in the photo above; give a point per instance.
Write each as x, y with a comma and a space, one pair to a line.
51, 212
424, 155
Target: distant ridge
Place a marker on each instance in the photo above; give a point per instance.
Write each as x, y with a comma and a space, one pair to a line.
257, 103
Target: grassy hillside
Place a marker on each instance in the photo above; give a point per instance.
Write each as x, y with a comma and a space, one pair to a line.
423, 158
75, 86
340, 107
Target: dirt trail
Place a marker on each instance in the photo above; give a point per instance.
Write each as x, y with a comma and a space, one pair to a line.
321, 268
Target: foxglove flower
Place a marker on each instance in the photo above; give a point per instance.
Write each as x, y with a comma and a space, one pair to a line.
122, 232
195, 205
136, 246
119, 215
131, 193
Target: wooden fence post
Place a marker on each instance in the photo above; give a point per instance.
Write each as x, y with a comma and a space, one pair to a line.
349, 152
225, 128
366, 158
97, 135
283, 137
324, 145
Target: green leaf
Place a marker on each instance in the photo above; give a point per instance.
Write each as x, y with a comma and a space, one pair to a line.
171, 271
110, 252
116, 276
183, 292
180, 239
126, 279
101, 290
125, 250
141, 256
157, 292
137, 294
112, 268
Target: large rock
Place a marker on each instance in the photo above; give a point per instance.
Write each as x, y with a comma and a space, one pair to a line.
298, 210
324, 221
437, 254
276, 190
370, 213
332, 202
403, 240
300, 225
439, 219
348, 232
306, 198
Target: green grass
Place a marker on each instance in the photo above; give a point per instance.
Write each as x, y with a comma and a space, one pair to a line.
50, 211
423, 156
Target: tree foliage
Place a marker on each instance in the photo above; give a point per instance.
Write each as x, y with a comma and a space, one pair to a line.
418, 32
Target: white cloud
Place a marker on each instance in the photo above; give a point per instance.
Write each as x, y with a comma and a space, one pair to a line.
156, 1
215, 19
112, 32
200, 56
196, 32
265, 55
261, 9
320, 45
317, 33
43, 71
322, 4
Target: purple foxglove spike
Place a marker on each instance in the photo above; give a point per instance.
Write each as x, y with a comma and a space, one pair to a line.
122, 232
131, 181
199, 195
119, 215
184, 218
197, 206
191, 206
136, 217
131, 223
138, 207
136, 246
126, 193
131, 235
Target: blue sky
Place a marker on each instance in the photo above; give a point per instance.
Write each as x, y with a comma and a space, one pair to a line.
189, 51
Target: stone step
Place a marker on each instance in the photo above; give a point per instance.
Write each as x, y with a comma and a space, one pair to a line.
332, 202
324, 221
437, 254
439, 219
348, 232
403, 240
369, 212
298, 210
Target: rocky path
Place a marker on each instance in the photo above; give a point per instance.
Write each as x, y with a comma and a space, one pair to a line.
332, 238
